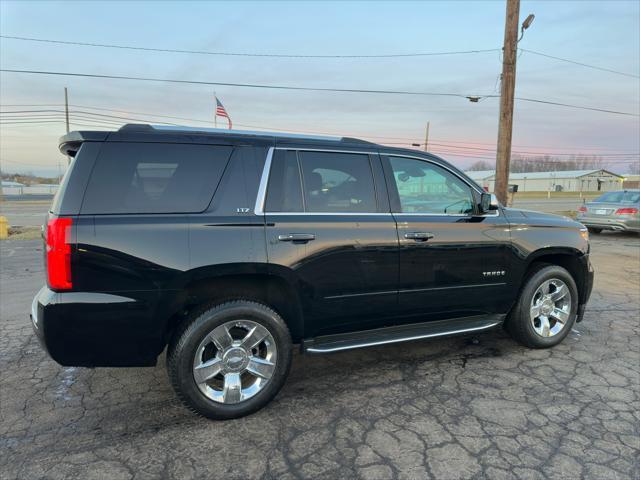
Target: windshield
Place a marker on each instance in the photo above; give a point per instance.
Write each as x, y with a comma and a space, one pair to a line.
619, 197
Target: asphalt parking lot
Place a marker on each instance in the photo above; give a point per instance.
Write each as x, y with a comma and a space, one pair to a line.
469, 407
25, 212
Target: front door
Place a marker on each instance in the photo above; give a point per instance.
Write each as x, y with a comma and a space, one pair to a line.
453, 262
327, 229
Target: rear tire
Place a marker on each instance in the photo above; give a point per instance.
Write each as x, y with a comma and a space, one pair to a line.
546, 309
229, 360
594, 230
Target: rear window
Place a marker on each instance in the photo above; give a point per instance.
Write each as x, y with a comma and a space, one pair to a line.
619, 197
154, 178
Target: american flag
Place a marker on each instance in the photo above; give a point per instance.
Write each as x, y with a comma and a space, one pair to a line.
221, 112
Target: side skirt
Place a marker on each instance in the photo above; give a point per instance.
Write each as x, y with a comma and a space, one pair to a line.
401, 333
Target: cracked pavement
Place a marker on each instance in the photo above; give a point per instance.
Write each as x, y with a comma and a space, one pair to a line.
465, 407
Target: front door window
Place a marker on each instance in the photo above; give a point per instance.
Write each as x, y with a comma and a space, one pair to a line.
425, 188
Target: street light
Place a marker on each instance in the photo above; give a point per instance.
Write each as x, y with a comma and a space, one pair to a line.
526, 24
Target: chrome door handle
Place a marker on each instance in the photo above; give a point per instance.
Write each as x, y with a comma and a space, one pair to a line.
297, 237
419, 236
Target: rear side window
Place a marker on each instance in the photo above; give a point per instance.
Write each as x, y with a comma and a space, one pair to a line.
320, 182
620, 197
154, 178
337, 182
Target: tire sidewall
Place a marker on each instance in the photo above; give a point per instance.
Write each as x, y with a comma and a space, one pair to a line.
180, 358
547, 273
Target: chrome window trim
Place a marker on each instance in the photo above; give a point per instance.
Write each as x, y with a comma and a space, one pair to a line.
264, 180
304, 149
353, 214
412, 214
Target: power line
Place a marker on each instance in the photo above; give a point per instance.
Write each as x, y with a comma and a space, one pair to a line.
112, 120
580, 107
277, 55
580, 63
83, 112
243, 85
208, 121
247, 54
308, 89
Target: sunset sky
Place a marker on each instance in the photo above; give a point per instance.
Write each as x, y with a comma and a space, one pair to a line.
602, 34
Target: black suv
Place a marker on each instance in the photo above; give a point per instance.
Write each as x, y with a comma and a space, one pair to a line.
228, 248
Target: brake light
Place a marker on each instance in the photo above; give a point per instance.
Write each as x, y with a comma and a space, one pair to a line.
582, 209
626, 211
59, 253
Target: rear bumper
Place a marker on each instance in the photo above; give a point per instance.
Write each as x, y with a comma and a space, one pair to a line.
95, 329
610, 224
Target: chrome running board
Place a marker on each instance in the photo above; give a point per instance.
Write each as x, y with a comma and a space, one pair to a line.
401, 333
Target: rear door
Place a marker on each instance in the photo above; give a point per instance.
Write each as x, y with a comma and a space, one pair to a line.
133, 231
453, 262
328, 226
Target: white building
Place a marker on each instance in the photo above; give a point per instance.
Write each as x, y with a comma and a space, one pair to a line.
566, 181
16, 188
484, 178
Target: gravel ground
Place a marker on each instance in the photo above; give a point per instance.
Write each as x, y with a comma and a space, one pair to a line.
467, 407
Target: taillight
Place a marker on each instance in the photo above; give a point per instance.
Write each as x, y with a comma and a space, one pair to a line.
626, 211
582, 209
59, 253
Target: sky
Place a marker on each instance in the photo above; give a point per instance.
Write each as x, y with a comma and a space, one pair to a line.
604, 34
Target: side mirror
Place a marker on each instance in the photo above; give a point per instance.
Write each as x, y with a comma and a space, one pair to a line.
488, 202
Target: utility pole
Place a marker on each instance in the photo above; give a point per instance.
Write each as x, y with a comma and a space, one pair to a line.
66, 116
426, 138
508, 84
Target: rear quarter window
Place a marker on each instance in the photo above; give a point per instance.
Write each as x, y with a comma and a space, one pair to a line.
619, 197
154, 178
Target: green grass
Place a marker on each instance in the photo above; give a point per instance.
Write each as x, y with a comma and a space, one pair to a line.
567, 213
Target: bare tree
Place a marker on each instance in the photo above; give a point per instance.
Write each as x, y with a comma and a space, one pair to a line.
481, 165
548, 163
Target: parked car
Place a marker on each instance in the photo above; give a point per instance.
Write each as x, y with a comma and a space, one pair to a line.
618, 211
229, 248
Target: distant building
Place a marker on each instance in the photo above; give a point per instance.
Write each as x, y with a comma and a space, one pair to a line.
564, 181
12, 188
484, 178
631, 181
16, 188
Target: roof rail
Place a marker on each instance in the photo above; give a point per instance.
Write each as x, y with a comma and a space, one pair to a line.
139, 127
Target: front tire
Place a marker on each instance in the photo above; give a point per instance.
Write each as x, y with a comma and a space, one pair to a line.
546, 310
230, 360
594, 230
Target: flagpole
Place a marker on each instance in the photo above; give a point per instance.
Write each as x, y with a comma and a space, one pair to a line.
215, 110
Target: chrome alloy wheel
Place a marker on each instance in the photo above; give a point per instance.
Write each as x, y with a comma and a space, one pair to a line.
550, 308
235, 361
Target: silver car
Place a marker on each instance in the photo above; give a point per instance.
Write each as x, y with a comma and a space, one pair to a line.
618, 210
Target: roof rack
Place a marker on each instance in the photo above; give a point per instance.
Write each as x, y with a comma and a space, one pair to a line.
178, 128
